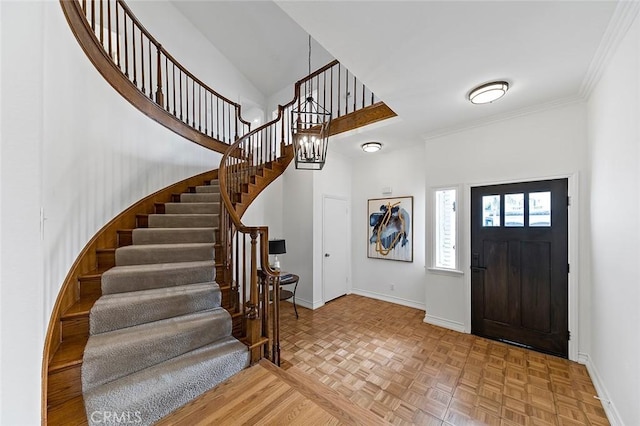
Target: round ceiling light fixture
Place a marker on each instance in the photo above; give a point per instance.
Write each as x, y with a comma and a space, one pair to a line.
371, 146
489, 92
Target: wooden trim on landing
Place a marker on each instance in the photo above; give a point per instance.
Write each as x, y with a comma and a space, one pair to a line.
329, 399
362, 117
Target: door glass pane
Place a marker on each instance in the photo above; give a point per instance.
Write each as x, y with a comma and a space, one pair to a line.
540, 208
491, 210
514, 209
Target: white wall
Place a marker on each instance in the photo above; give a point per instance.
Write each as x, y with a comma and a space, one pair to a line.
73, 146
550, 143
333, 180
185, 43
1, 339
22, 310
614, 157
297, 216
266, 210
302, 211
404, 172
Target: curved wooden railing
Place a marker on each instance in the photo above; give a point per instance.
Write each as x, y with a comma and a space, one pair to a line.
267, 150
150, 78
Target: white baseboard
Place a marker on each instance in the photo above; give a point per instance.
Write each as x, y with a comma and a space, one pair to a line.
386, 298
445, 323
603, 394
306, 304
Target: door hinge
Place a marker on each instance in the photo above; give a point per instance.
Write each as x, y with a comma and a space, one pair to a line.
568, 201
568, 335
568, 268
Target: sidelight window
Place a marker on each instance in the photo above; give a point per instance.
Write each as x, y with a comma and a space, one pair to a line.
446, 235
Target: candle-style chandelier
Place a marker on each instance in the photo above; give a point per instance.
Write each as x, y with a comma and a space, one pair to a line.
310, 129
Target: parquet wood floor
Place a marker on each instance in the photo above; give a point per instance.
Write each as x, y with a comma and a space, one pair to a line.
383, 357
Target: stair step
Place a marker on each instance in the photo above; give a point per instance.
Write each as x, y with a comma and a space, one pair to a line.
69, 413
183, 220
142, 221
143, 277
121, 310
191, 208
90, 284
75, 321
105, 258
164, 253
143, 346
64, 385
159, 390
143, 236
125, 237
81, 308
69, 354
199, 197
208, 189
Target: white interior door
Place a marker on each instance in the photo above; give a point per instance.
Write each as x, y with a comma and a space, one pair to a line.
335, 248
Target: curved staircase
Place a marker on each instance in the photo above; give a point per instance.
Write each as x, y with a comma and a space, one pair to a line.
158, 334
148, 316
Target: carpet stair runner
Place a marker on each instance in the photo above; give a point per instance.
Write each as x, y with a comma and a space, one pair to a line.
158, 334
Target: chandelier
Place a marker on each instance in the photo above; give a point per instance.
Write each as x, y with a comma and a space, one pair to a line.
310, 129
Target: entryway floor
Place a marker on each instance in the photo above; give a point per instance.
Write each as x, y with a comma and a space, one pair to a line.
384, 358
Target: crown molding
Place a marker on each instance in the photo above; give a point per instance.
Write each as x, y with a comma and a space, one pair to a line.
557, 103
623, 17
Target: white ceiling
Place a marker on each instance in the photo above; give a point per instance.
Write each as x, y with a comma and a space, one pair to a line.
419, 57
262, 41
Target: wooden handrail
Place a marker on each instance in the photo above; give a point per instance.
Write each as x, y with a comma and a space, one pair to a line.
143, 72
173, 60
166, 91
251, 155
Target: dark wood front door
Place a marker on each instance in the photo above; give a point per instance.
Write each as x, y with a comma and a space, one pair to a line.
519, 264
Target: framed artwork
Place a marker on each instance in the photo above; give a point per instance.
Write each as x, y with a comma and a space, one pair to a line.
390, 233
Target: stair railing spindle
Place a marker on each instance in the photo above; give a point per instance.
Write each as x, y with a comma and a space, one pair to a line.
133, 58
193, 101
142, 59
109, 28
118, 36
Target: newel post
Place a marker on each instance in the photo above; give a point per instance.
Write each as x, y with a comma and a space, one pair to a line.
254, 326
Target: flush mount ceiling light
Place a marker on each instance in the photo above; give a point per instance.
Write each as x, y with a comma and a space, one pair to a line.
371, 146
489, 92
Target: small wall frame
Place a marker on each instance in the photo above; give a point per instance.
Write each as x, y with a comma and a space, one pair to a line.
390, 229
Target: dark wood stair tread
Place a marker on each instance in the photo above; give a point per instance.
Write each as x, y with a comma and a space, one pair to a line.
68, 354
93, 274
81, 308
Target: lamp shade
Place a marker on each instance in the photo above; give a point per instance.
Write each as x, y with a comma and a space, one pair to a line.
277, 247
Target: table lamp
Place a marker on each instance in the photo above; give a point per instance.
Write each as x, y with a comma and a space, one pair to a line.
277, 247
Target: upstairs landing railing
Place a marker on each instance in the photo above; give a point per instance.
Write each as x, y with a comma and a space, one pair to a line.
267, 150
149, 77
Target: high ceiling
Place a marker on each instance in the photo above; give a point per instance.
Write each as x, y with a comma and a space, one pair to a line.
419, 57
269, 47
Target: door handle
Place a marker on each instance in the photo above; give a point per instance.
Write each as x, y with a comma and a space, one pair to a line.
478, 268
327, 255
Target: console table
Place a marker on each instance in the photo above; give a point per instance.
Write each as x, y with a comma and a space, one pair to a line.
287, 278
